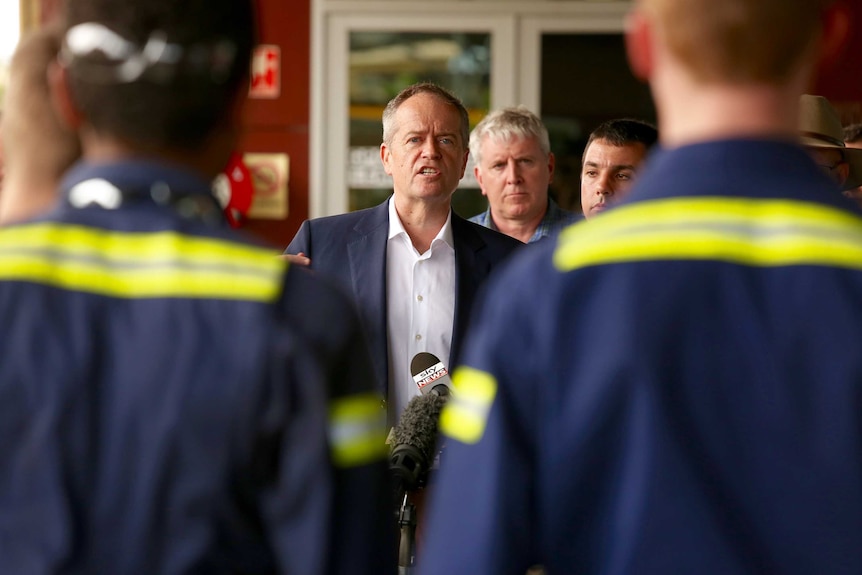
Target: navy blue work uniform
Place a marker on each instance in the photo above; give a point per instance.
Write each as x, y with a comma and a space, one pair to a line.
674, 387
170, 402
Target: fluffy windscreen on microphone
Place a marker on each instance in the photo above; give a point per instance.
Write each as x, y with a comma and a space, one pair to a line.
414, 440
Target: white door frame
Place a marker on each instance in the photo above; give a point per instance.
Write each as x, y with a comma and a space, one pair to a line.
516, 29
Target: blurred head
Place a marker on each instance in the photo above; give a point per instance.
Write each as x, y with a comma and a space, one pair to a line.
514, 165
424, 149
38, 146
853, 139
31, 130
614, 152
737, 41
159, 74
821, 133
2, 160
853, 135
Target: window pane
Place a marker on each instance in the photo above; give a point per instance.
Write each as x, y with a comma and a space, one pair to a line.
585, 81
381, 65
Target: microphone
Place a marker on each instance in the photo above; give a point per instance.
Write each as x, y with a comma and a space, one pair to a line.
414, 440
430, 374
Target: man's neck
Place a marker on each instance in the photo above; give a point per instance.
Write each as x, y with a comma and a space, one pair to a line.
24, 198
519, 229
691, 112
422, 220
206, 160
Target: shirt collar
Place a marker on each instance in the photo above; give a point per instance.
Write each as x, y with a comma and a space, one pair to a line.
137, 175
396, 228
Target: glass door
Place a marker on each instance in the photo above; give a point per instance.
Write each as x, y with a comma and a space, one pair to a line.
370, 59
581, 78
563, 59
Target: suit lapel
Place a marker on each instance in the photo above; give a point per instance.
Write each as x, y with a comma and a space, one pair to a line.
470, 269
367, 255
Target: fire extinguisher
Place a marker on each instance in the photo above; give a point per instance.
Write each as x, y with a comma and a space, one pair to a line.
234, 190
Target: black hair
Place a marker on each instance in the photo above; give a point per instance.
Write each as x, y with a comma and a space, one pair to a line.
176, 104
624, 131
853, 133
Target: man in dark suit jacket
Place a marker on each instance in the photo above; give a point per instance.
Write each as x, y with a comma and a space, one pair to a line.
425, 134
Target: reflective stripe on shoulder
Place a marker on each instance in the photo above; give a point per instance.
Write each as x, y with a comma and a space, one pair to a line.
357, 430
756, 232
466, 413
138, 264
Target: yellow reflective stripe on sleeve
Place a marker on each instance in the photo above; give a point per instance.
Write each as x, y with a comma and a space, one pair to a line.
357, 430
745, 231
466, 413
138, 264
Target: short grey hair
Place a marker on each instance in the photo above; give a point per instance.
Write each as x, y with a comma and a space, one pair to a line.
443, 94
507, 123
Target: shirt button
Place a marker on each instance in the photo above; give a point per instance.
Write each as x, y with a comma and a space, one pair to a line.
418, 298
418, 337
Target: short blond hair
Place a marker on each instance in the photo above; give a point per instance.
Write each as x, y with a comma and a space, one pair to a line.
738, 40
31, 129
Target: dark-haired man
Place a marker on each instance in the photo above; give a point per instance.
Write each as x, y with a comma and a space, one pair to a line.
612, 156
174, 401
853, 139
821, 133
853, 135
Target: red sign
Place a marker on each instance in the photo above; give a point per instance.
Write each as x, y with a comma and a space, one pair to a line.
265, 72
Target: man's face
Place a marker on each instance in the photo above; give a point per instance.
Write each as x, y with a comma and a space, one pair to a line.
831, 162
426, 156
514, 175
607, 174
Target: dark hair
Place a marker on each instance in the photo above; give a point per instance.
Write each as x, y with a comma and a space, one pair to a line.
175, 103
425, 88
624, 131
853, 133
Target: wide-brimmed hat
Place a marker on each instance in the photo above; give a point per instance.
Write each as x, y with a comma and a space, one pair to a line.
820, 127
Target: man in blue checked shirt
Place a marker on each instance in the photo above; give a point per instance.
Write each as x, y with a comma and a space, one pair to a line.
673, 387
514, 167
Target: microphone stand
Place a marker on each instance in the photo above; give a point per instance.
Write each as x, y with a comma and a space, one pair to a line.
407, 543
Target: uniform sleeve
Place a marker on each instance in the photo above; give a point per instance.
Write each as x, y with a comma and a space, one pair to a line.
362, 527
291, 458
481, 516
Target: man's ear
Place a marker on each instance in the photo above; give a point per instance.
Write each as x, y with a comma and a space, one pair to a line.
843, 172
477, 171
384, 157
61, 97
638, 37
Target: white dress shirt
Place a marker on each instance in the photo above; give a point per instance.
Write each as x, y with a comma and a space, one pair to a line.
420, 305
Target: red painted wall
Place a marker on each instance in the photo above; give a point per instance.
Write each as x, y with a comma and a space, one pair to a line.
841, 82
281, 125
